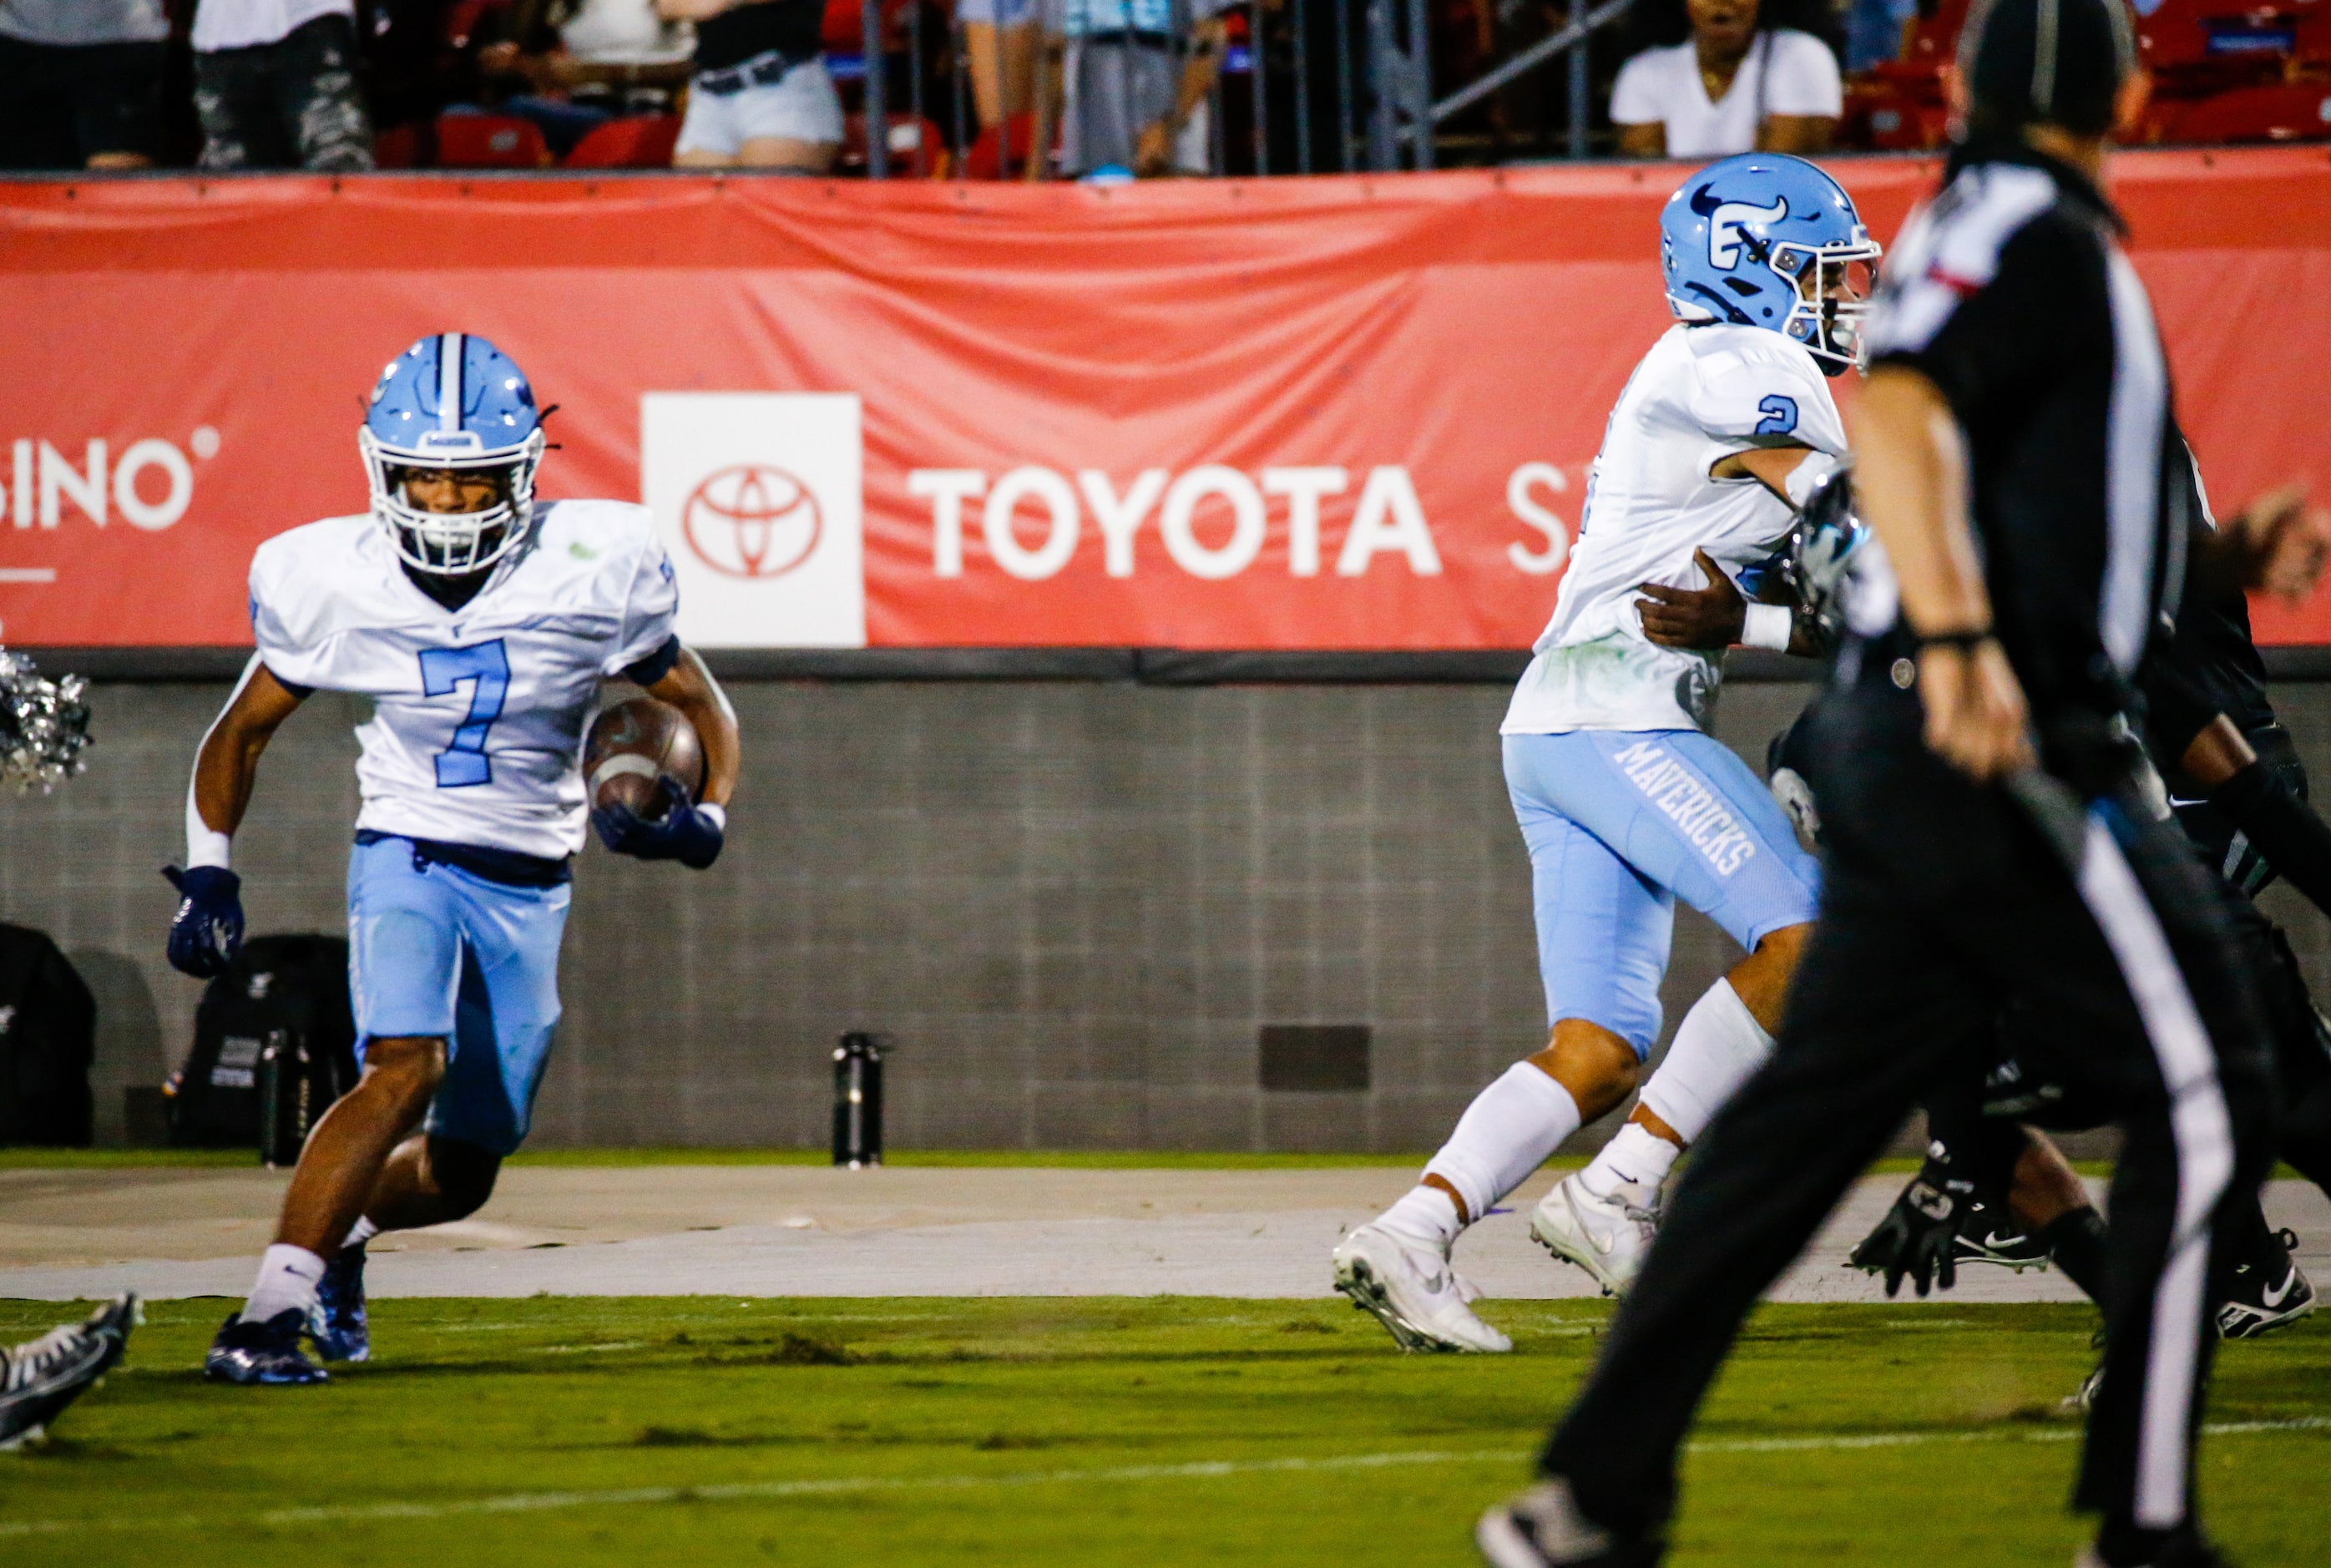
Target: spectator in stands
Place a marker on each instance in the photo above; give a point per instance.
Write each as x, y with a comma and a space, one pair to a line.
1130, 81
1731, 87
80, 83
1001, 40
275, 86
584, 62
760, 97
1877, 31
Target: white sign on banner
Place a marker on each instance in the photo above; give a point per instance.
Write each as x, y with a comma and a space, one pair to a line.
758, 498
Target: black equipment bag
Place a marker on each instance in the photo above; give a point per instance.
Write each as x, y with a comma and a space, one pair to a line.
48, 1039
274, 1046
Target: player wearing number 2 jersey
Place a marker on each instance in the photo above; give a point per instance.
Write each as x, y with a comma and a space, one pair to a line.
1625, 801
481, 622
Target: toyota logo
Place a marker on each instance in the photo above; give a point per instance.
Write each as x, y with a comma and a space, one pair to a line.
752, 520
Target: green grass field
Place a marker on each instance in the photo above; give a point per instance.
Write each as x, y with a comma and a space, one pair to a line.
704, 1430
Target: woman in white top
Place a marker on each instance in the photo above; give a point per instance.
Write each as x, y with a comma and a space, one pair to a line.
1731, 88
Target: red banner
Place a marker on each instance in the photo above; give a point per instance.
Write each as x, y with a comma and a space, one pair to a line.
1327, 414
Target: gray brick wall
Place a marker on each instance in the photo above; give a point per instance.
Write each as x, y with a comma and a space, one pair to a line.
1074, 905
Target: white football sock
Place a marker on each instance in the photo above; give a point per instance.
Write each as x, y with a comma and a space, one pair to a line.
1635, 1155
1426, 1216
1507, 1133
288, 1277
362, 1231
1717, 1047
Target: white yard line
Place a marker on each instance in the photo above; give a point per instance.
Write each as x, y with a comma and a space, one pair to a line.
763, 1491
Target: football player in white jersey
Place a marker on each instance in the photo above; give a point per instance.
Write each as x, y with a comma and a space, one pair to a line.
1625, 801
480, 621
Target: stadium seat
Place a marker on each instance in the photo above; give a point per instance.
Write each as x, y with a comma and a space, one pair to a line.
1935, 42
2191, 46
844, 31
400, 146
1890, 115
845, 28
1898, 106
638, 141
980, 162
916, 150
489, 141
2284, 111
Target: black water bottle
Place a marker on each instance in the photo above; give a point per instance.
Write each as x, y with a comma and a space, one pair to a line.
284, 1095
858, 1101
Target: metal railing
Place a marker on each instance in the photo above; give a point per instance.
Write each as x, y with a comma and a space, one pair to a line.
1378, 114
1571, 41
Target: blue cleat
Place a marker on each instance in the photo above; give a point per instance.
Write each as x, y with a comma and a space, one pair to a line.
262, 1352
337, 1322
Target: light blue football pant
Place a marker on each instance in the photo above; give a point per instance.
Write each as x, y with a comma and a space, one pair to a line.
436, 952
1622, 823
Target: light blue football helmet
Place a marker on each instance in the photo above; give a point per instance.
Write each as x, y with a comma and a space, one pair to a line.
1767, 240
455, 402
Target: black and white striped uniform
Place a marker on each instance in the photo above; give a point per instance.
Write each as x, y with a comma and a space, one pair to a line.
1943, 899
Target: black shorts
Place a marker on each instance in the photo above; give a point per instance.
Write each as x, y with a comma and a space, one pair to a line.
61, 105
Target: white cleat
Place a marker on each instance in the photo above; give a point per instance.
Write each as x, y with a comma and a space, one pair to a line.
1543, 1528
1607, 1237
1413, 1292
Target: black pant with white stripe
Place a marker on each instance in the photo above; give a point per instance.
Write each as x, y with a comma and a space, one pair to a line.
1943, 901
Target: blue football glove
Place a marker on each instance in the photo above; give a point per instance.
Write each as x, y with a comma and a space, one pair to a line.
207, 929
681, 833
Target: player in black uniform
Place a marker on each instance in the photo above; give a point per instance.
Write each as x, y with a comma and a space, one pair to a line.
1987, 831
1992, 1190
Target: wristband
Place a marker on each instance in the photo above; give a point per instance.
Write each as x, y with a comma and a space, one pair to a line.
1965, 642
205, 845
1767, 626
717, 815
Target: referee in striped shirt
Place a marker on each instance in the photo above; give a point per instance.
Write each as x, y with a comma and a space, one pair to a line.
1984, 808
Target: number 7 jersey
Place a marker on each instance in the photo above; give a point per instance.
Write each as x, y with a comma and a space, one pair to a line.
476, 731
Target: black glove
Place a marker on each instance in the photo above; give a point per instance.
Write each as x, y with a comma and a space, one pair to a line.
677, 831
1919, 1235
2259, 800
207, 929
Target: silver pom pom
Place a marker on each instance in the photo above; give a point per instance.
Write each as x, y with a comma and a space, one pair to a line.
43, 725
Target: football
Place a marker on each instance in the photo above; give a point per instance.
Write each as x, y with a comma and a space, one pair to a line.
631, 744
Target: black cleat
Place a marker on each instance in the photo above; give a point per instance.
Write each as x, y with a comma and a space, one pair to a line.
336, 1323
2085, 1396
39, 1379
1989, 1233
2183, 1547
262, 1353
2269, 1292
1543, 1528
